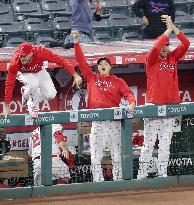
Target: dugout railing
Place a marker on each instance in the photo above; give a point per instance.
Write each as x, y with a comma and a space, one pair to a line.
46, 119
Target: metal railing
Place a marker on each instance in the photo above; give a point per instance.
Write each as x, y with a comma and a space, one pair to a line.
46, 119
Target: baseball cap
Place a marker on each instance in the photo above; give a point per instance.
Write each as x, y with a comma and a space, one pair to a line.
24, 49
104, 58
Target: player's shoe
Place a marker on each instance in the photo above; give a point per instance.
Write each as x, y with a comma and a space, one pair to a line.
24, 100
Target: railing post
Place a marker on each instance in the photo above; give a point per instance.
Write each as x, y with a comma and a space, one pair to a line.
46, 154
126, 149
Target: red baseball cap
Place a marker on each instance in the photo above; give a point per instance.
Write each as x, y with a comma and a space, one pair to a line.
104, 58
24, 49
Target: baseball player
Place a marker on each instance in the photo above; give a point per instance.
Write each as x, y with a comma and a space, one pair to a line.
104, 91
162, 88
27, 66
60, 171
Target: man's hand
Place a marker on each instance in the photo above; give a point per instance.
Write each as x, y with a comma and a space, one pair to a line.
131, 108
65, 153
6, 110
77, 80
75, 34
167, 19
170, 25
145, 22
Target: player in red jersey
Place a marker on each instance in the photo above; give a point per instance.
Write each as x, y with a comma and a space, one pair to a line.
104, 91
162, 88
27, 66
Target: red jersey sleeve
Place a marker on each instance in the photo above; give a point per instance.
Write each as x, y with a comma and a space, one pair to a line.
48, 55
84, 67
10, 80
126, 92
182, 48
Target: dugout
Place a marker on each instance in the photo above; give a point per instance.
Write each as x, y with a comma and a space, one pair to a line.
128, 62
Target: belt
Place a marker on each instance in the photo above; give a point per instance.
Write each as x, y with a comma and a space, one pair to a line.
38, 157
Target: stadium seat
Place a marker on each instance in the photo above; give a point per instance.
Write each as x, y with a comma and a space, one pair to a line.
181, 5
130, 36
102, 37
62, 27
190, 4
119, 24
101, 26
25, 8
6, 12
37, 27
180, 13
116, 6
44, 40
184, 21
135, 24
10, 29
54, 7
188, 32
14, 42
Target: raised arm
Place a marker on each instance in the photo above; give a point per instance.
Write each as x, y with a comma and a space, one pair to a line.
84, 67
160, 43
184, 45
48, 55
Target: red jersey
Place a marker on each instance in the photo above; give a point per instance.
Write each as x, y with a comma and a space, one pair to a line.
103, 92
40, 54
162, 77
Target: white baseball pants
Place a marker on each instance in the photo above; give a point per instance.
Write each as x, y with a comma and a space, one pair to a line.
38, 87
105, 133
163, 129
59, 170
